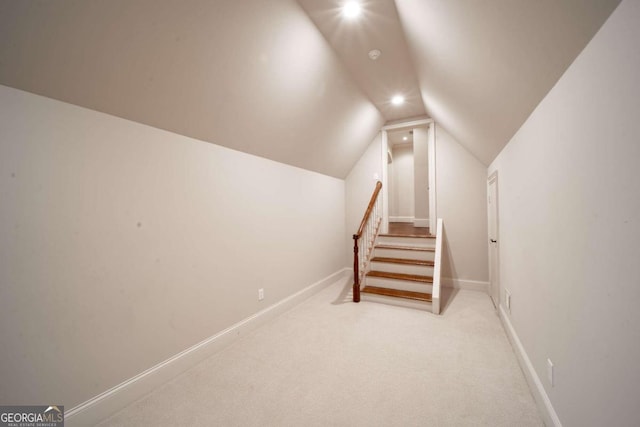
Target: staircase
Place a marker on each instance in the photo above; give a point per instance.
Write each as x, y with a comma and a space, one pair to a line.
402, 266
397, 266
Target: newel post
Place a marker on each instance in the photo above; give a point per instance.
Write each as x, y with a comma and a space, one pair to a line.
356, 273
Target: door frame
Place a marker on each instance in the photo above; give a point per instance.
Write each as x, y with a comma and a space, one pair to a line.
431, 153
494, 261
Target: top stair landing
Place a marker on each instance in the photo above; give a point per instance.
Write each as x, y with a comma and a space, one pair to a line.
407, 229
406, 235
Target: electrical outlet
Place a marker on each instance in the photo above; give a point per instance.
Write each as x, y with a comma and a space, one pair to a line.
507, 300
260, 294
550, 371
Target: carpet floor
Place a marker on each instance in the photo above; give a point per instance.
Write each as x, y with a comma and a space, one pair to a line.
330, 362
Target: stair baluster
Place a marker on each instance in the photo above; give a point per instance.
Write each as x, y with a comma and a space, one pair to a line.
367, 233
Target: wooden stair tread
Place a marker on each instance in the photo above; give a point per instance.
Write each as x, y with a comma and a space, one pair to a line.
403, 261
424, 236
400, 276
419, 296
405, 248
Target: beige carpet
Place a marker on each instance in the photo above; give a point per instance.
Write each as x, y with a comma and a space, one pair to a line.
329, 362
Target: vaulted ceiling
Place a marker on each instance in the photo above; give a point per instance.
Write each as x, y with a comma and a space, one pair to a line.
484, 65
291, 80
377, 28
477, 67
252, 75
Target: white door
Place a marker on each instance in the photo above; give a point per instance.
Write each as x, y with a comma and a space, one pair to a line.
492, 200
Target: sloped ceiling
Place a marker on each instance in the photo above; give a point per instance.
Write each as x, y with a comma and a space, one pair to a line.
252, 75
484, 65
377, 28
481, 66
289, 80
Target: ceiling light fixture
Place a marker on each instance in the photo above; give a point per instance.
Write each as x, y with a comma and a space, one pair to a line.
374, 54
404, 138
397, 100
351, 9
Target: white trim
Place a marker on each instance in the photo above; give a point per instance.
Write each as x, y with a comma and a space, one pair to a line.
494, 282
421, 222
409, 124
469, 285
384, 149
400, 219
435, 289
547, 411
111, 401
431, 158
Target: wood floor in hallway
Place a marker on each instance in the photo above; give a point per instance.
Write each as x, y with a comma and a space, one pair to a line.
407, 228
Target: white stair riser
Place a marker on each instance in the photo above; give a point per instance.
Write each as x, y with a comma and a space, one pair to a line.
403, 285
423, 270
407, 241
400, 302
404, 254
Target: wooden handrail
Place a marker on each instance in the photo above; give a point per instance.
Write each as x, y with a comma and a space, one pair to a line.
372, 203
356, 237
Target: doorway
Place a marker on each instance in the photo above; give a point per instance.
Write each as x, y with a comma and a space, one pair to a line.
409, 175
402, 180
494, 241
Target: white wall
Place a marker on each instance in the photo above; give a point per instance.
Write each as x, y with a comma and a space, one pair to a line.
123, 244
569, 206
462, 204
401, 195
421, 174
359, 186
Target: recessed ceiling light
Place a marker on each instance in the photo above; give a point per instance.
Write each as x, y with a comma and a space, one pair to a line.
351, 9
404, 138
397, 100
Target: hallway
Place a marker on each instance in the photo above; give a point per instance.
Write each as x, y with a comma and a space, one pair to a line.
331, 362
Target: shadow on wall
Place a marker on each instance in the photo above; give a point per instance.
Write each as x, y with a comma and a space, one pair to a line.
447, 295
447, 268
346, 292
447, 272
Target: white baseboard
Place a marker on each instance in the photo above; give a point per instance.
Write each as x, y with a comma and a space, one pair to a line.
111, 401
421, 222
400, 219
549, 415
469, 285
